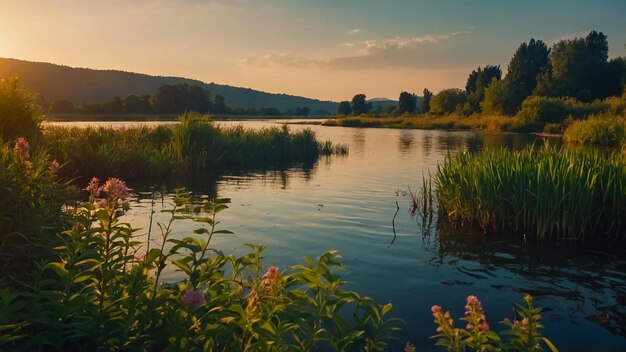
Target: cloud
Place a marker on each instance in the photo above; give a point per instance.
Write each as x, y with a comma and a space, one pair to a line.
353, 31
426, 51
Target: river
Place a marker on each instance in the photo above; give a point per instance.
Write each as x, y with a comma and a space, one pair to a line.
347, 203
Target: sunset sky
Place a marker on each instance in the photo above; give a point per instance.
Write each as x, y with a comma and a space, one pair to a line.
324, 49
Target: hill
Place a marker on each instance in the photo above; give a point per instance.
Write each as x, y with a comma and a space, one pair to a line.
88, 85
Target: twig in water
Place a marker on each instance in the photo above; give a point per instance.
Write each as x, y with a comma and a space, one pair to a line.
393, 224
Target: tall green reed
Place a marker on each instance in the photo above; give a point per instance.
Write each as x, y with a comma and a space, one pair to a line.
192, 147
549, 192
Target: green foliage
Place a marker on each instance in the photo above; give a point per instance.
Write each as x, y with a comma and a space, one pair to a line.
448, 101
104, 292
359, 105
344, 108
530, 60
194, 145
18, 115
580, 68
478, 336
607, 130
427, 96
476, 84
547, 110
31, 196
407, 103
547, 192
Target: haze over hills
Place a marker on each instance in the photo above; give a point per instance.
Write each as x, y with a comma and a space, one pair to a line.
88, 85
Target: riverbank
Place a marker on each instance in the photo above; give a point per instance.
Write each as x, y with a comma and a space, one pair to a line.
489, 123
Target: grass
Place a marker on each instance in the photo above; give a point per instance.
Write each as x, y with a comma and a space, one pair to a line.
605, 130
490, 123
193, 146
551, 193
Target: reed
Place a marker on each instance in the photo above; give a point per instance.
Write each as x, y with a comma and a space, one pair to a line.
194, 146
550, 192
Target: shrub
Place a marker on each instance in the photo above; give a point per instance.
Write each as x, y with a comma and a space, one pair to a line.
31, 196
18, 115
607, 130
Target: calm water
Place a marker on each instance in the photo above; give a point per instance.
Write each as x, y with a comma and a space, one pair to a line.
347, 203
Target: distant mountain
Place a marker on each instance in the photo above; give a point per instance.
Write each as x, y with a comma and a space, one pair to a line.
381, 102
87, 85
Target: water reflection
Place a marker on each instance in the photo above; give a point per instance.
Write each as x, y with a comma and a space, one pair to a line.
574, 283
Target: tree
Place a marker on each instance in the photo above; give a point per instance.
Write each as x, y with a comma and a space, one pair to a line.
495, 99
407, 103
359, 105
344, 108
219, 107
448, 101
530, 60
175, 99
62, 106
580, 67
137, 104
476, 84
427, 95
19, 117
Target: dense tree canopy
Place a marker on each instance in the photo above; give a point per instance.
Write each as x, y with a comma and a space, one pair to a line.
476, 84
448, 101
529, 60
344, 108
359, 105
179, 98
427, 95
579, 67
407, 103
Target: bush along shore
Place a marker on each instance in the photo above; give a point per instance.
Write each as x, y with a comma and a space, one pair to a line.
548, 192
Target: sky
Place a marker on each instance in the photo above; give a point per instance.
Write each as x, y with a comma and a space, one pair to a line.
323, 49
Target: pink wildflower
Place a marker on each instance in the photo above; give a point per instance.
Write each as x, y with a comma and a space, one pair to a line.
93, 187
22, 148
435, 309
54, 166
193, 299
409, 347
483, 326
115, 188
271, 276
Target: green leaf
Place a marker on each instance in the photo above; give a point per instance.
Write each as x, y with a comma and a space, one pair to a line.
59, 268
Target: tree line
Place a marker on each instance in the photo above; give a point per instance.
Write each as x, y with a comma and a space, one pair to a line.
170, 99
573, 68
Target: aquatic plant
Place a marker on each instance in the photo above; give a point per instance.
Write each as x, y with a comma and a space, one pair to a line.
548, 192
191, 147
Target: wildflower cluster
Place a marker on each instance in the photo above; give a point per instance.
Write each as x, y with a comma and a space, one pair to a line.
22, 148
116, 191
193, 299
477, 335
